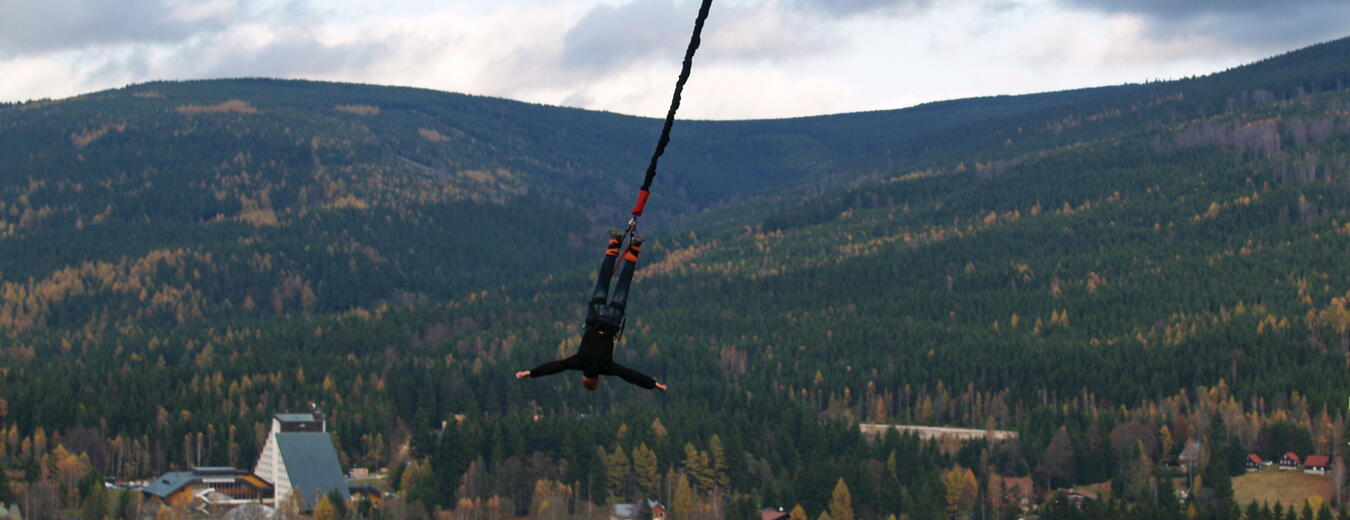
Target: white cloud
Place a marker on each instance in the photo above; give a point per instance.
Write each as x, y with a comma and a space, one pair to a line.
762, 91
36, 77
198, 10
760, 58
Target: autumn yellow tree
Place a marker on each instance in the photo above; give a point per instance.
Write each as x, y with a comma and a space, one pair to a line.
324, 510
644, 468
719, 462
841, 502
961, 489
550, 499
684, 498
616, 474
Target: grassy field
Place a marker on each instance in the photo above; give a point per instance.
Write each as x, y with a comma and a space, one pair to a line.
1289, 487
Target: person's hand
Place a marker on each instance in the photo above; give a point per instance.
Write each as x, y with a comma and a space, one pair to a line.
661, 387
522, 374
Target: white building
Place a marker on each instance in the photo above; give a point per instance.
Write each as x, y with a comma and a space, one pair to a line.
299, 456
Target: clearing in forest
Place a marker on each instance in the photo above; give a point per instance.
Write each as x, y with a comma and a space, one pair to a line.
1292, 488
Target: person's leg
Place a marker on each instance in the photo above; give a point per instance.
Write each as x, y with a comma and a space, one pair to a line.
630, 258
607, 267
629, 375
553, 367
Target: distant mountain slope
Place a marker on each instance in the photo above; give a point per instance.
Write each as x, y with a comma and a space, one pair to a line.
295, 196
182, 257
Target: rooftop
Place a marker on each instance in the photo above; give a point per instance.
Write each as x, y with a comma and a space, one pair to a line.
168, 483
296, 417
312, 464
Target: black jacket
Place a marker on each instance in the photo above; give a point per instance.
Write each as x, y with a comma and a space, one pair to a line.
595, 357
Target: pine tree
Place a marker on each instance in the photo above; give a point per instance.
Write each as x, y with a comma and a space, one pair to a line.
1057, 463
1133, 479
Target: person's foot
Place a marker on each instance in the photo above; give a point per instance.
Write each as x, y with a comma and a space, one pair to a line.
661, 387
615, 239
522, 374
634, 247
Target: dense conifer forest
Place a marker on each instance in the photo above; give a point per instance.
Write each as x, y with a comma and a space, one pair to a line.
1113, 274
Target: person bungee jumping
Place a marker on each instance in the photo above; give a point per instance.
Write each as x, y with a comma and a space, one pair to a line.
604, 321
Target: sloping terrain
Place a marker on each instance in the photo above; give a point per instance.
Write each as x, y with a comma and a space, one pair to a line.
182, 259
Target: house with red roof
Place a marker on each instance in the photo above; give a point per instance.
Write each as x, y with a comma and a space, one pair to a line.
1254, 462
1290, 461
1317, 464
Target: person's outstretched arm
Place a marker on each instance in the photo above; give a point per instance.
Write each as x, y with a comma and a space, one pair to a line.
546, 369
633, 377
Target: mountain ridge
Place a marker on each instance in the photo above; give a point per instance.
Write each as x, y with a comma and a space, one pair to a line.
178, 261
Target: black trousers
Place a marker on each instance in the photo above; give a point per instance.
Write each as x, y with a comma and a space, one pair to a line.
607, 310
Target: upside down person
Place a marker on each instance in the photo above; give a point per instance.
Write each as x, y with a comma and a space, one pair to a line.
604, 319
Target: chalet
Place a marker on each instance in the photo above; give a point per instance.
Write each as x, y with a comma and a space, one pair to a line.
1317, 464
1290, 462
773, 514
1019, 490
299, 457
211, 485
1254, 462
657, 510
1078, 496
1191, 457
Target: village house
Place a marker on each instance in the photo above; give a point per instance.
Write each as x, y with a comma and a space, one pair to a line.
1317, 464
657, 510
1019, 491
1254, 462
1078, 496
1290, 462
1191, 457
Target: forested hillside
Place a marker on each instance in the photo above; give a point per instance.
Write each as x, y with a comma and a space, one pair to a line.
1109, 272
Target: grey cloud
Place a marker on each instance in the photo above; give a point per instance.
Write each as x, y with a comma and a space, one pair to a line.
1244, 23
610, 36
293, 57
51, 25
299, 56
842, 8
1193, 8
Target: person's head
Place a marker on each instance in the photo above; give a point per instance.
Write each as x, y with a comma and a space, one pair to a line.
591, 383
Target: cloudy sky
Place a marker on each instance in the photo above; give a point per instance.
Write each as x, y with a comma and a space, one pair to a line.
761, 58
